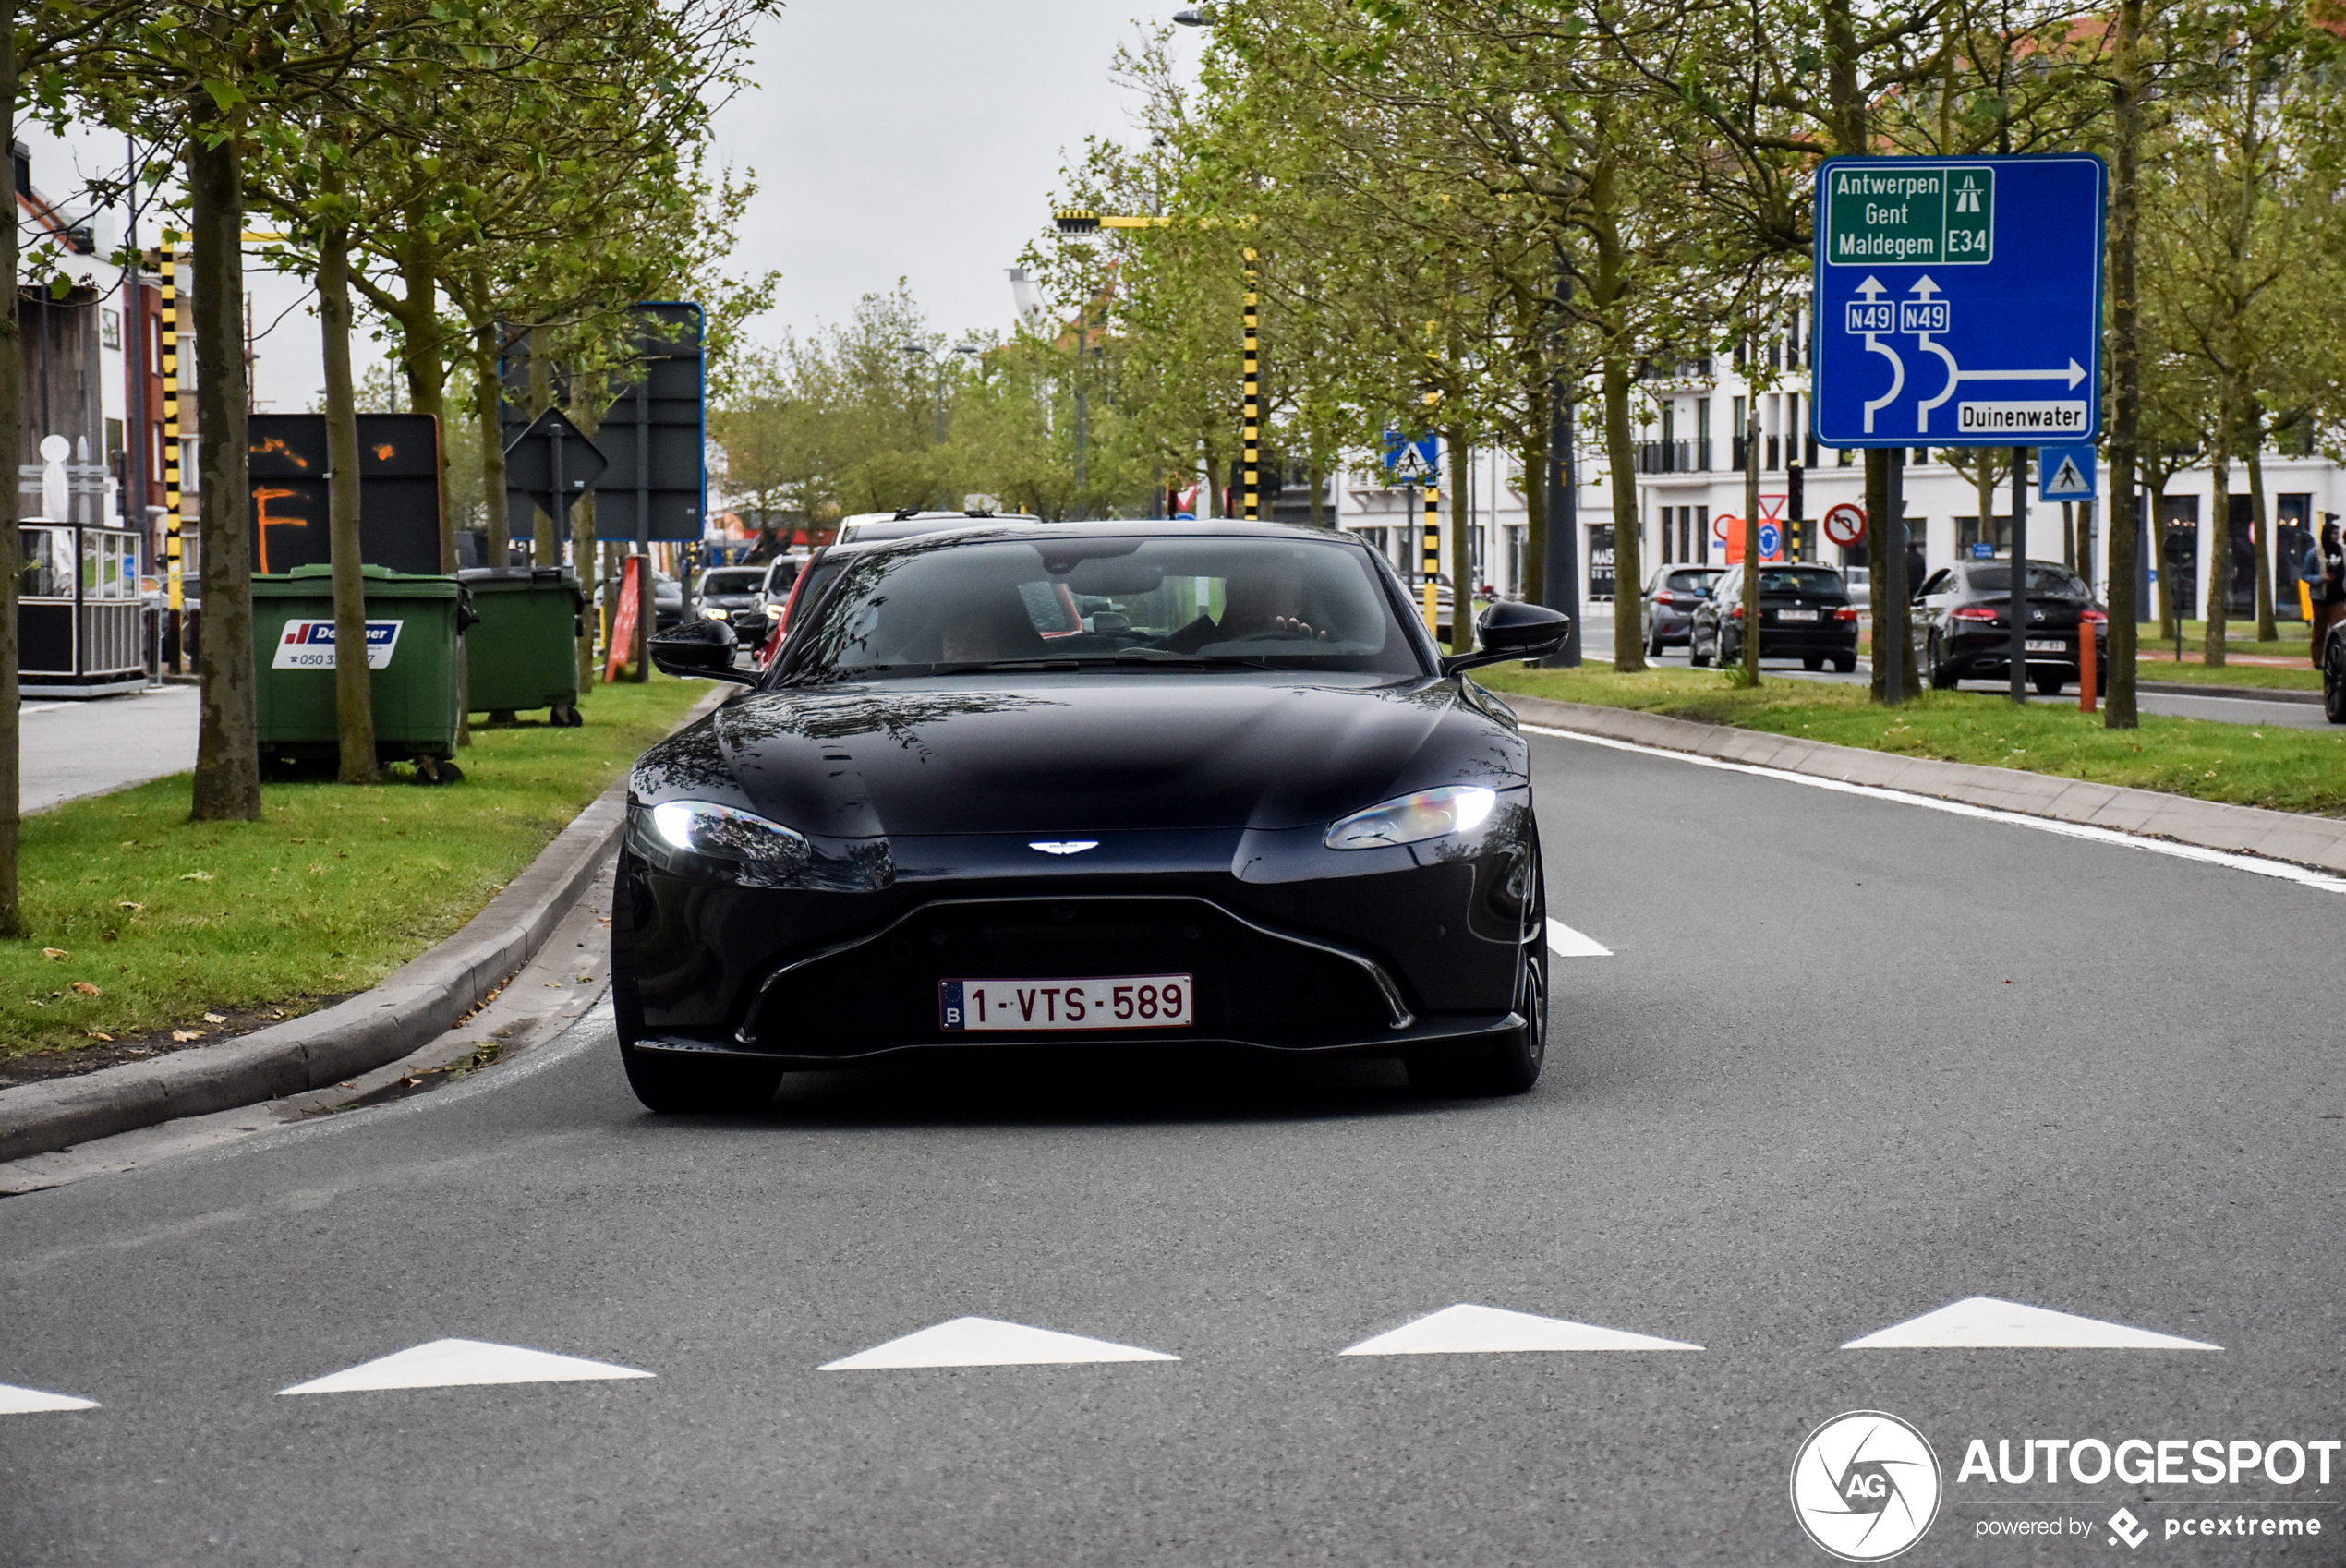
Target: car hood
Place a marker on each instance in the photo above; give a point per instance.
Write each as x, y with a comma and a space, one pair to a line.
1083, 754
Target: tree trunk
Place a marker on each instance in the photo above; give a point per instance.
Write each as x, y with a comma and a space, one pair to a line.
1751, 549
1983, 478
423, 355
2219, 534
1629, 632
486, 414
2125, 364
2268, 628
586, 401
354, 678
227, 783
11, 400
545, 529
1533, 587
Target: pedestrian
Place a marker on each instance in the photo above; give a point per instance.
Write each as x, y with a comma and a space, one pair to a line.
2324, 573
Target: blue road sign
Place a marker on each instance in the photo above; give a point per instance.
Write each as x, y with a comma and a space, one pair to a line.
1982, 550
1408, 460
1958, 301
1771, 541
2066, 472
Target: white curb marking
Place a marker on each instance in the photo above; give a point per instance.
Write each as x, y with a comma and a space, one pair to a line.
1983, 1323
461, 1363
1469, 1329
2279, 869
989, 1341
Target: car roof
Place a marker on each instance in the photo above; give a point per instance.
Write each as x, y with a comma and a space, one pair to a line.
1150, 527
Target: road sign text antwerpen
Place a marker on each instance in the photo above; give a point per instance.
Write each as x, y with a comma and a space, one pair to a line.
1958, 301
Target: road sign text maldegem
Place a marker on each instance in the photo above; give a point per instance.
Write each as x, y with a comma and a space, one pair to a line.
1942, 215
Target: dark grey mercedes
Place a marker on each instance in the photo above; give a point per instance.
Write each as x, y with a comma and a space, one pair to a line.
1088, 785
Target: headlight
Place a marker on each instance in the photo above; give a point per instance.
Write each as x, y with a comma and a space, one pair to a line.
722, 833
718, 612
1429, 814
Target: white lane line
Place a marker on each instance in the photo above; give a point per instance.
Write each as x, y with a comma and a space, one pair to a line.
1469, 1330
2279, 870
14, 1400
461, 1363
989, 1341
1982, 1323
1566, 943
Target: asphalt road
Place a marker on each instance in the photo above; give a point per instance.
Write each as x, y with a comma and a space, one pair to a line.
76, 746
1850, 1061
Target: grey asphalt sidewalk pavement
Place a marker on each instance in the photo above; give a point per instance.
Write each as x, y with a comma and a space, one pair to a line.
80, 746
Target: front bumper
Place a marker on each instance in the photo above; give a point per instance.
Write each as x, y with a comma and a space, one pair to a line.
1421, 951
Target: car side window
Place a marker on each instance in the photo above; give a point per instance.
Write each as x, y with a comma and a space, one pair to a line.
1939, 583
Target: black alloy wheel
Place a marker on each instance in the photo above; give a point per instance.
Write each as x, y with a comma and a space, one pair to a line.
1510, 1062
1845, 663
2334, 679
1934, 665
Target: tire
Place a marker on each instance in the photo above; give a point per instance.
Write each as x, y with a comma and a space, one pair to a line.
1845, 663
1653, 646
1695, 655
681, 1086
565, 715
2334, 681
1812, 661
1509, 1061
2049, 685
1941, 677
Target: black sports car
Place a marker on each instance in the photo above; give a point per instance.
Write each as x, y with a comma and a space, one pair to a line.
1088, 784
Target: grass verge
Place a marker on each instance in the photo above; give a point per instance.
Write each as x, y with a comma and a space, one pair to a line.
142, 920
2299, 770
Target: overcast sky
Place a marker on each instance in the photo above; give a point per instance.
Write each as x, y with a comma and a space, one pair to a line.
913, 138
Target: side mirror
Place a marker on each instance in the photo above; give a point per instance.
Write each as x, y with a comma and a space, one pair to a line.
751, 625
1512, 628
702, 649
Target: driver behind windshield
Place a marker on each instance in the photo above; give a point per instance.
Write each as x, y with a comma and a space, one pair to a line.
1264, 601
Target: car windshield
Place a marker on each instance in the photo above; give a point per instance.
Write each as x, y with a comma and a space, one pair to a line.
2044, 582
1692, 582
734, 580
1111, 603
1802, 580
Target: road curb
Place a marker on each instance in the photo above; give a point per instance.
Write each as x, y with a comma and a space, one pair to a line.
420, 1001
2244, 693
2315, 842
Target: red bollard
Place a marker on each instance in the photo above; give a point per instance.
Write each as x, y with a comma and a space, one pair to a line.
2088, 666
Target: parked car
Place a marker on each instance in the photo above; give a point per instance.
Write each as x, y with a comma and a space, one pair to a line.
1804, 613
1963, 632
1670, 604
873, 525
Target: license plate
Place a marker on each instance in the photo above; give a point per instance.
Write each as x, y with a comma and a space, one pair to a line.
1796, 615
2047, 644
1119, 1001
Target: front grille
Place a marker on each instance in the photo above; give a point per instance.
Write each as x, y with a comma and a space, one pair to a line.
1248, 985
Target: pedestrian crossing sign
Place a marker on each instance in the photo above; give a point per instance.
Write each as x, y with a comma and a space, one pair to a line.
2067, 472
1410, 460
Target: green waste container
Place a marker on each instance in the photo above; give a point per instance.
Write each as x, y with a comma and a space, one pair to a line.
415, 632
524, 652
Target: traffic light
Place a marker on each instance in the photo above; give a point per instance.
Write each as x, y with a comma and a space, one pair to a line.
1796, 502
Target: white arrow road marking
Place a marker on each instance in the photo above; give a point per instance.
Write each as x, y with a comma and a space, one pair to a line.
1566, 943
1469, 1330
459, 1363
1982, 1323
14, 1400
2074, 374
989, 1341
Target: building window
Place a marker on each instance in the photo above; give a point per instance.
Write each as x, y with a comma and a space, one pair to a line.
109, 328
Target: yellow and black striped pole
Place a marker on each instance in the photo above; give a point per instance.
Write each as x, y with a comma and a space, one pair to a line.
173, 547
1250, 400
1431, 565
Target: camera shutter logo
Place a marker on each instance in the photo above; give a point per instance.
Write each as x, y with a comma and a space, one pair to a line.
1865, 1486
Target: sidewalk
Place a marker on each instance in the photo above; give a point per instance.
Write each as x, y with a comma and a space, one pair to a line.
80, 746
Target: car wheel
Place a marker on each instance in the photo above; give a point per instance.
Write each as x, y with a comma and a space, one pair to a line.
1653, 645
1812, 661
682, 1086
2334, 681
1845, 663
1509, 1062
1941, 677
1695, 655
2050, 684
